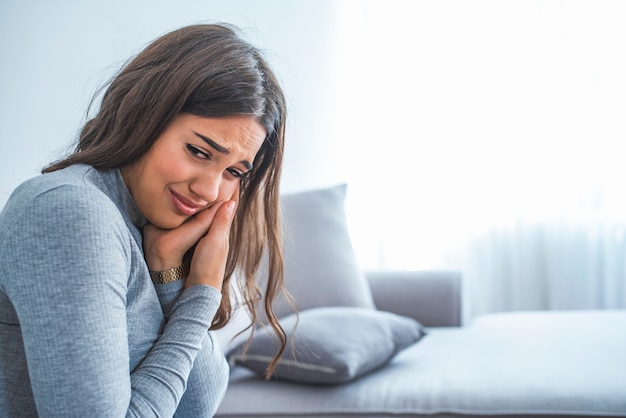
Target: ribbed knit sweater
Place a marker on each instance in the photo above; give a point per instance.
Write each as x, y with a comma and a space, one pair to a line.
83, 330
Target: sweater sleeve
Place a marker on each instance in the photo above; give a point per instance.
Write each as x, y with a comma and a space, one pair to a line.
210, 366
70, 264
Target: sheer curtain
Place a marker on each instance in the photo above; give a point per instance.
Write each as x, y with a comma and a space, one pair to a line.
487, 136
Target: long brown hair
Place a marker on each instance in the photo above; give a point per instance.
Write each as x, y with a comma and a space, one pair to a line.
208, 71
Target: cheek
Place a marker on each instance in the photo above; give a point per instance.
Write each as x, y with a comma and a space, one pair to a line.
227, 189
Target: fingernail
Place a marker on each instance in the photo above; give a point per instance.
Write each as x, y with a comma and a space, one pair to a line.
230, 207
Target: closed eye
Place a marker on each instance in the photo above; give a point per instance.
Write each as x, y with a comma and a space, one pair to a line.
198, 153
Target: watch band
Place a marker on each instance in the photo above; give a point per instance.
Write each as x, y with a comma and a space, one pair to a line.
170, 275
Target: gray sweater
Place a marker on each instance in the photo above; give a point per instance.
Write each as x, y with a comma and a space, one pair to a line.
83, 330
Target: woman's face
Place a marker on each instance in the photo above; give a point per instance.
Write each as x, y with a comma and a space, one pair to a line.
195, 163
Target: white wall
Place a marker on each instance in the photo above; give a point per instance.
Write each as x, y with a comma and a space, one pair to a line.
55, 54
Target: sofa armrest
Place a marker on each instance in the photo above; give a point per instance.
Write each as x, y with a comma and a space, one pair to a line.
431, 297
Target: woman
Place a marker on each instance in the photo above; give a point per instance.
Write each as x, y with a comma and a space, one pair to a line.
117, 260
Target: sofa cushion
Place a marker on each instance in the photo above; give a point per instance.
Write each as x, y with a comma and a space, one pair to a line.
331, 345
320, 264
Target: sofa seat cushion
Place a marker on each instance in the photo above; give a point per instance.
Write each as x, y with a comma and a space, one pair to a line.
531, 363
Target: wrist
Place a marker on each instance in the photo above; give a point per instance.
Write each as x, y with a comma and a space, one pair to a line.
160, 263
170, 275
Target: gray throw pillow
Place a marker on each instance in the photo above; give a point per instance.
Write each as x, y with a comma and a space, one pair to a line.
320, 264
331, 345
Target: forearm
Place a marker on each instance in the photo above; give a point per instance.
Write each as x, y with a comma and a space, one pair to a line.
207, 382
170, 362
209, 376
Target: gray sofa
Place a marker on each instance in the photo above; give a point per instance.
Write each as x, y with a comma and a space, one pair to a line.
518, 364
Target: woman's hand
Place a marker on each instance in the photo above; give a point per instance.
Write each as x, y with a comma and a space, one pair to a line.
208, 230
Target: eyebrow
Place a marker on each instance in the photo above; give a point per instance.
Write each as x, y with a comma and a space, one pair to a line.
222, 150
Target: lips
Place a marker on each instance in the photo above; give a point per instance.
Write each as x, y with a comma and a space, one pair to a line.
183, 205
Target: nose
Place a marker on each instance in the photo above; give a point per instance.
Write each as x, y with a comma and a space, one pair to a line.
206, 186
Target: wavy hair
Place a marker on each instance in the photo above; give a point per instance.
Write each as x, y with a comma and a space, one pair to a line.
207, 71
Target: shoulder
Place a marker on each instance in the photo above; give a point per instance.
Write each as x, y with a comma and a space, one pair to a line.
73, 177
63, 199
60, 219
71, 185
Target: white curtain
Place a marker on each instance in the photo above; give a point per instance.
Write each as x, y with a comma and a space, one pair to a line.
487, 136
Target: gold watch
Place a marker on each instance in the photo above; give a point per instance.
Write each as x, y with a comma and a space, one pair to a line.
170, 275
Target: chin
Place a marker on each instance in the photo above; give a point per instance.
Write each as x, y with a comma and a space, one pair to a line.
171, 223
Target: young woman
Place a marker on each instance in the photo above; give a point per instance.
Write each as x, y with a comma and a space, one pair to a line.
117, 260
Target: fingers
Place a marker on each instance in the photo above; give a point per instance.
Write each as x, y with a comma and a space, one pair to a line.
209, 259
164, 249
208, 230
235, 196
197, 226
224, 216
